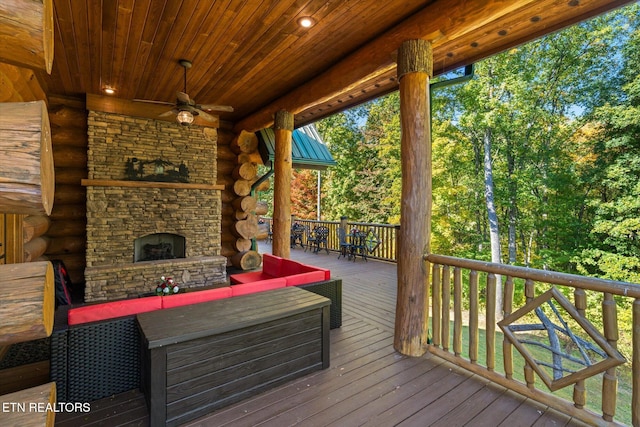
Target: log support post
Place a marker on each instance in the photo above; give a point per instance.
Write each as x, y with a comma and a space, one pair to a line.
412, 307
283, 130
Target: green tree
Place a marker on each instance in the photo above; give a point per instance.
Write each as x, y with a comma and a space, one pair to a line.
613, 250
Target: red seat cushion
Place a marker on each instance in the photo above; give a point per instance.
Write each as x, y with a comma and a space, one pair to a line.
272, 265
263, 285
196, 297
291, 267
304, 278
253, 276
109, 310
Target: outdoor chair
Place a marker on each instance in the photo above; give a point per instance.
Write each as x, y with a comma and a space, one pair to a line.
321, 236
345, 247
297, 231
358, 245
311, 238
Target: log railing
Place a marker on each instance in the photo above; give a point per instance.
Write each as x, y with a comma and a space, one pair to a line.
386, 233
484, 357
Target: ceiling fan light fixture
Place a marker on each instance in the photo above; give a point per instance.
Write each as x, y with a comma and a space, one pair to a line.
185, 117
109, 90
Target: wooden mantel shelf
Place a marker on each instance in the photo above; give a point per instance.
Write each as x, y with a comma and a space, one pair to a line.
148, 184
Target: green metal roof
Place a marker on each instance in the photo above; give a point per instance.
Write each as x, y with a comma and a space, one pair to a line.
307, 148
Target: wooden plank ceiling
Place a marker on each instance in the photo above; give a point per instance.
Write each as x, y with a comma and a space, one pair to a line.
253, 55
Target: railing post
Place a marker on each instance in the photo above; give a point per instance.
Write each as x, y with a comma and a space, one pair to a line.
507, 347
457, 311
491, 321
474, 306
579, 390
436, 305
446, 306
610, 379
635, 365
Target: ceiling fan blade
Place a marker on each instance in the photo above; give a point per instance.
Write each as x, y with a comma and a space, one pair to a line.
168, 113
149, 101
208, 117
183, 97
214, 107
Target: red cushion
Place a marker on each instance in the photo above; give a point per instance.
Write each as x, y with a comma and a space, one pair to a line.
253, 276
307, 268
196, 297
271, 265
109, 310
263, 285
304, 278
291, 267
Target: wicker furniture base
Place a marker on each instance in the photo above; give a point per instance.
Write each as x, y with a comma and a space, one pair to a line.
331, 289
95, 360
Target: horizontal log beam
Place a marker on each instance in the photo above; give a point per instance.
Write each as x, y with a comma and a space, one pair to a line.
41, 396
27, 301
27, 178
26, 33
377, 57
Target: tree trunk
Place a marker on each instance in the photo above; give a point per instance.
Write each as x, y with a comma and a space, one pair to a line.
412, 304
513, 203
283, 130
492, 215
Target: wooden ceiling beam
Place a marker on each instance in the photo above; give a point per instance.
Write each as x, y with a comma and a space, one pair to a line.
451, 26
433, 23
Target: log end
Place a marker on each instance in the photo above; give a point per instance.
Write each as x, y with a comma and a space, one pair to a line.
248, 260
47, 172
29, 304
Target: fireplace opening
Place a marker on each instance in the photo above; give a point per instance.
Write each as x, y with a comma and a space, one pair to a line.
158, 246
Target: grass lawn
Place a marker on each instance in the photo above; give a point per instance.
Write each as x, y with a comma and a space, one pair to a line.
593, 385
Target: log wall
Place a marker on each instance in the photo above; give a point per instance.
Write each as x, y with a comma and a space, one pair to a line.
66, 235
238, 160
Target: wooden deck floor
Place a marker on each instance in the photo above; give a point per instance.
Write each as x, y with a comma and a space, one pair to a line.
369, 383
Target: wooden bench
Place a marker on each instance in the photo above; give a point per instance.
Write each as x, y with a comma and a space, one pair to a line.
200, 358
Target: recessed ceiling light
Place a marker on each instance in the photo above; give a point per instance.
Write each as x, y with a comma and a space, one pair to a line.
109, 90
306, 22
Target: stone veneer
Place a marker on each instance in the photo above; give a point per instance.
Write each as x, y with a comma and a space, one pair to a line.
117, 215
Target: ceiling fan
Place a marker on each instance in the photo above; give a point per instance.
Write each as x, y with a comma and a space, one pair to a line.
185, 108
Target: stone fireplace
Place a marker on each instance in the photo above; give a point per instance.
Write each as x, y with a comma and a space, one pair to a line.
138, 231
